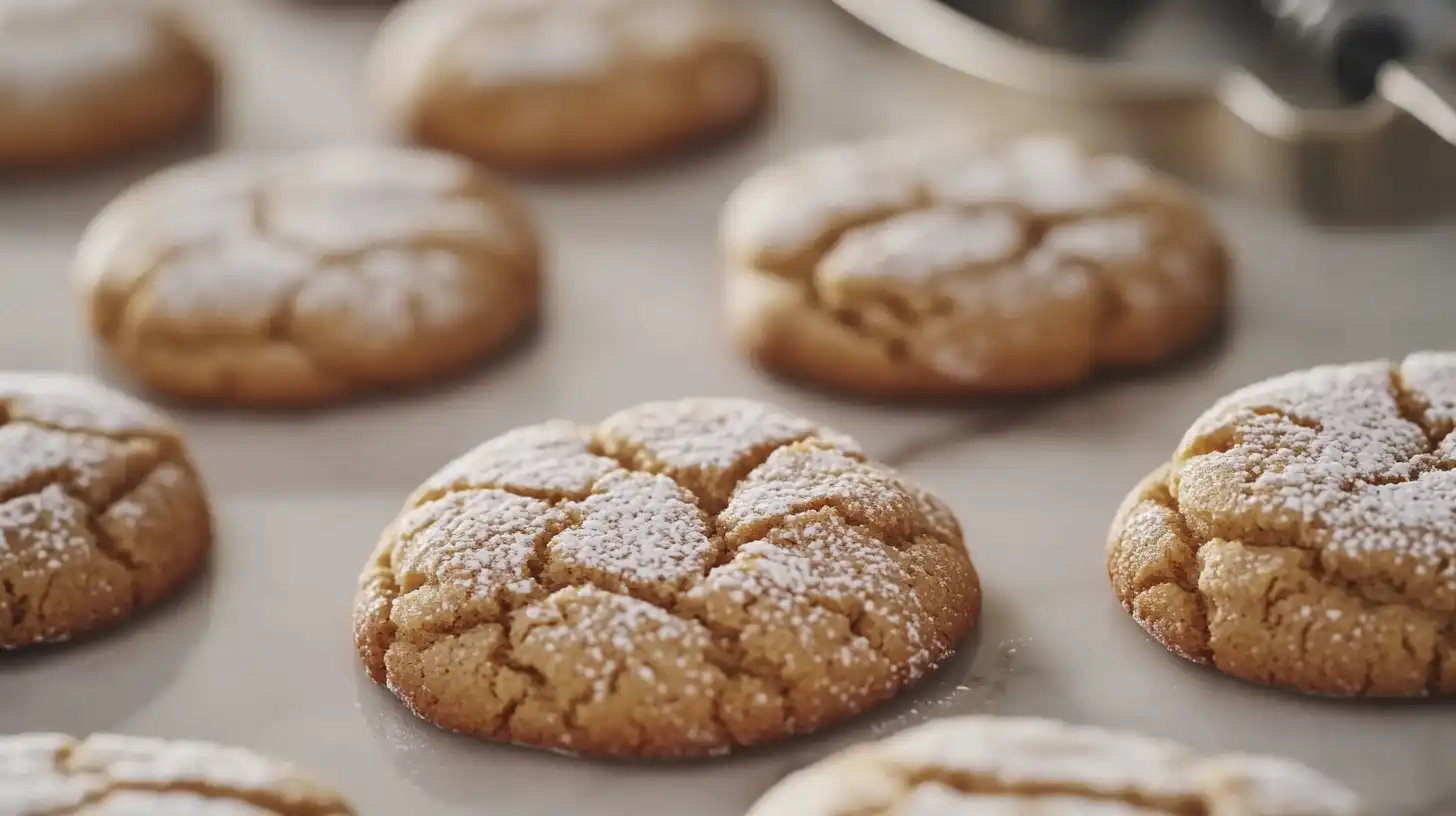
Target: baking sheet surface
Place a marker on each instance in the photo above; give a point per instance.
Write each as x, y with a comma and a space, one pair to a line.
259, 653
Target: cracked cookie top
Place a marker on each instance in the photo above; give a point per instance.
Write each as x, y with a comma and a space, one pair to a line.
1030, 767
302, 278
679, 579
1304, 534
950, 264
110, 775
566, 84
101, 512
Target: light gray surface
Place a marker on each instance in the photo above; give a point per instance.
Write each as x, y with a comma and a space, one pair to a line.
259, 654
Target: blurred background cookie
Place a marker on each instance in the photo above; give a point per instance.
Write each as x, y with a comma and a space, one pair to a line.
1304, 534
550, 85
682, 579
112, 775
82, 79
302, 279
103, 511
947, 266
1032, 767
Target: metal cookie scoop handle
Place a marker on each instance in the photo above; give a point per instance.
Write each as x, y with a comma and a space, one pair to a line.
1366, 46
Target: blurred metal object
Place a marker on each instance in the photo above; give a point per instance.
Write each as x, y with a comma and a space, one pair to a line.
1365, 47
1210, 90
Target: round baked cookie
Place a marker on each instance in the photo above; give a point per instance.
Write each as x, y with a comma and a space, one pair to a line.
101, 511
301, 279
110, 775
949, 265
563, 85
987, 766
81, 79
680, 579
1304, 533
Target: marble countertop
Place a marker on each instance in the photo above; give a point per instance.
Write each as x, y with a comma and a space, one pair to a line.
259, 653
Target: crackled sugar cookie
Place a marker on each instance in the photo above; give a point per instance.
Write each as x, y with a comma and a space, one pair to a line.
303, 279
683, 578
946, 265
101, 512
985, 766
1304, 534
80, 79
109, 775
548, 85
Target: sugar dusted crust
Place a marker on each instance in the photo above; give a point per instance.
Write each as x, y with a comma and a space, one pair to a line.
110, 775
307, 278
1304, 534
1029, 767
948, 265
567, 85
101, 511
82, 79
681, 579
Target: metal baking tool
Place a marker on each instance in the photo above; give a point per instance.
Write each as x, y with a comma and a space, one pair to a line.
1214, 90
1367, 47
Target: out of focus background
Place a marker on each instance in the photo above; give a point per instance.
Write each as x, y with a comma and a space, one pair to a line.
1338, 214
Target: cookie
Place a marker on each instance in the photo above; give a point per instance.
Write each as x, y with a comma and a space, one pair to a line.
566, 85
1304, 533
83, 79
110, 775
303, 279
946, 265
101, 511
987, 766
680, 579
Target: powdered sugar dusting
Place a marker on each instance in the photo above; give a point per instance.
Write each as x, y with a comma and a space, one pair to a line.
785, 211
384, 241
245, 281
637, 534
130, 775
1015, 760
622, 587
390, 294
561, 45
965, 261
545, 41
688, 436
1120, 239
553, 458
42, 533
28, 453
1326, 460
75, 403
478, 545
811, 577
939, 800
805, 476
923, 244
1430, 377
602, 648
50, 47
1261, 784
29, 782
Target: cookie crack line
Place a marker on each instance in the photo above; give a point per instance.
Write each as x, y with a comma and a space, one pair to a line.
973, 784
1408, 401
18, 612
908, 318
166, 441
1316, 569
276, 804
